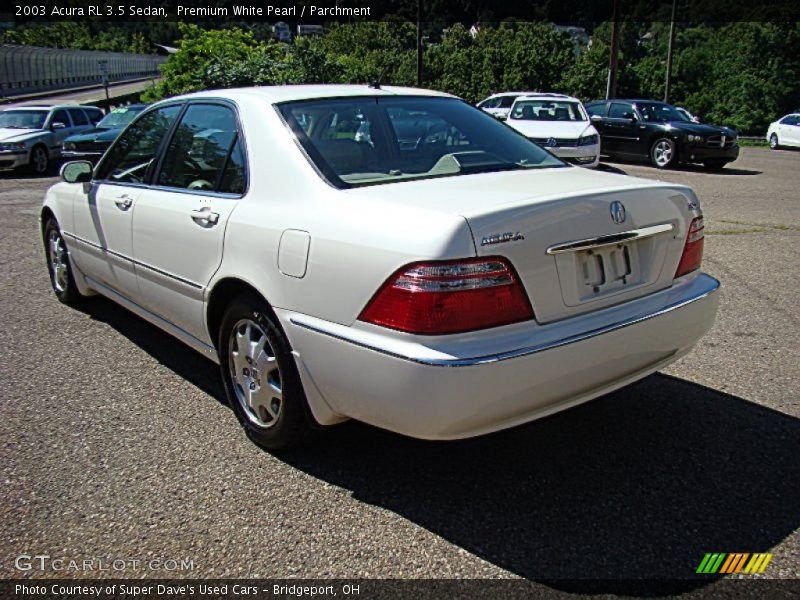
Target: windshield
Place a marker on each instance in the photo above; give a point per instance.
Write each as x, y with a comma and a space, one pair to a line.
23, 119
547, 110
118, 118
660, 113
369, 140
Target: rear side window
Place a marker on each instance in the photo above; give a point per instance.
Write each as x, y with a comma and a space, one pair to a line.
130, 158
95, 114
78, 118
596, 109
198, 152
619, 110
507, 101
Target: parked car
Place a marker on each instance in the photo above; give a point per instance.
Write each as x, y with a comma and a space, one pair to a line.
560, 124
31, 136
91, 143
443, 289
785, 131
499, 105
658, 132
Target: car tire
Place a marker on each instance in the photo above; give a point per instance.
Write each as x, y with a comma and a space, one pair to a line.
58, 264
40, 161
260, 376
773, 142
715, 165
663, 153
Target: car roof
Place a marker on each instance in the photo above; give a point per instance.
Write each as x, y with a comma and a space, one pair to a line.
632, 100
501, 94
547, 96
48, 107
287, 93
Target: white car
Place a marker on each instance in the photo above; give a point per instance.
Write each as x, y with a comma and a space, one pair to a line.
443, 278
559, 123
499, 105
31, 136
784, 132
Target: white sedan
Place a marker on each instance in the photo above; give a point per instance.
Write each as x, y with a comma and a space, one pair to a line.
784, 132
559, 123
443, 277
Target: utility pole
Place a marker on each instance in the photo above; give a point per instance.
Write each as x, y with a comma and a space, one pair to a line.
104, 70
669, 50
419, 43
611, 87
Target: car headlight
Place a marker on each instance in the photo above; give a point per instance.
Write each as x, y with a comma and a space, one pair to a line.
588, 140
694, 138
13, 147
69, 146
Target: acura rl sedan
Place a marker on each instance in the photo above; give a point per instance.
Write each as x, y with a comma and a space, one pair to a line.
391, 255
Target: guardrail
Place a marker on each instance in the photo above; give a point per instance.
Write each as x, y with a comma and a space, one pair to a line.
30, 69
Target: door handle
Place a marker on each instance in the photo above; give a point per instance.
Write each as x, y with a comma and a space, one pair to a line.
204, 216
123, 202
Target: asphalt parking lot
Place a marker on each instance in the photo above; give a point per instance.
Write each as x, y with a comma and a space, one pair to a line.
117, 443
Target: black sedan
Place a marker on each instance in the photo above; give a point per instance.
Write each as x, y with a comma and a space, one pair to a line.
658, 132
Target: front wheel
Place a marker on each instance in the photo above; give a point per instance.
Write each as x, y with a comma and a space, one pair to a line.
663, 153
773, 141
40, 161
59, 266
260, 376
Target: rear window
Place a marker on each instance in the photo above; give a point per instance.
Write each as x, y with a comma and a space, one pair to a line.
371, 140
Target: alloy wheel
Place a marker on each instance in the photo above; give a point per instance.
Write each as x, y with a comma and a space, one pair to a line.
255, 373
39, 160
59, 267
662, 153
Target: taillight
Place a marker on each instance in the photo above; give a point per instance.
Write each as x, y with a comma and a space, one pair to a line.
693, 249
435, 298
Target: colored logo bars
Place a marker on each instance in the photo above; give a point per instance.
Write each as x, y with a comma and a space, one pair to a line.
743, 562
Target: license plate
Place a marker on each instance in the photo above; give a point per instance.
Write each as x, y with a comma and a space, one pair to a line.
605, 268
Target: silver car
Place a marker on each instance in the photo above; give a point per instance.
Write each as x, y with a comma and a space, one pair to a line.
31, 136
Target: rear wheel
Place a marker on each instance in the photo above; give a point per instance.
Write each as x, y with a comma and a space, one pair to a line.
663, 153
40, 161
260, 376
58, 265
773, 141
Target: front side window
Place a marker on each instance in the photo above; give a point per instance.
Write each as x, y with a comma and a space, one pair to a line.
118, 118
78, 118
22, 119
369, 140
661, 113
548, 110
132, 155
506, 101
199, 149
60, 116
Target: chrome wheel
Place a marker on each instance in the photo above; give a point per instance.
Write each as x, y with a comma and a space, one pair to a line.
773, 141
255, 373
662, 153
39, 160
59, 267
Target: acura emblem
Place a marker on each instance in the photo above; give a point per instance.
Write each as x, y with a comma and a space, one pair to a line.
551, 142
617, 212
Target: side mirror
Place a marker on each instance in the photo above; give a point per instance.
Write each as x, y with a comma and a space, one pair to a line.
77, 171
596, 119
58, 125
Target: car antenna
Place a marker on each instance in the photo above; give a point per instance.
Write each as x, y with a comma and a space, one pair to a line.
376, 84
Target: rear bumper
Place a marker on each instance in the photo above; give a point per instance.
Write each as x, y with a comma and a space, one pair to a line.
81, 155
419, 388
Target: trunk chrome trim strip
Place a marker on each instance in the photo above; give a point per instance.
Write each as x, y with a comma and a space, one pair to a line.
610, 240
711, 285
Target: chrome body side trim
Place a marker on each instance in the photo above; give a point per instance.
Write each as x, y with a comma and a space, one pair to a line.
138, 263
610, 240
710, 287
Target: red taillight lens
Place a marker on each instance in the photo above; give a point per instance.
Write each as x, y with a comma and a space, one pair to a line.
435, 298
693, 249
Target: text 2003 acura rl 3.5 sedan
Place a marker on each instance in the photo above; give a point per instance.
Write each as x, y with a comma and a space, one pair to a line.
389, 255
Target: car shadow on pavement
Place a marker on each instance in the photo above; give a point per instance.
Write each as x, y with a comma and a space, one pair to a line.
621, 495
